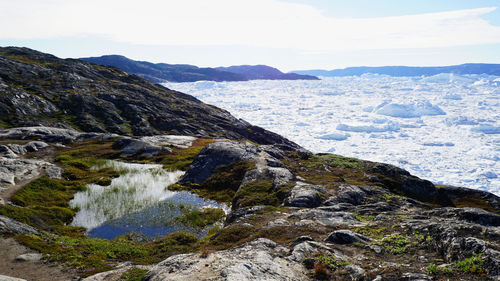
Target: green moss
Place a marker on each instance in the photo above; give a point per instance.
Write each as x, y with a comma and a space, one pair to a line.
328, 169
256, 193
47, 192
93, 255
363, 218
180, 159
395, 244
230, 236
473, 264
201, 218
331, 262
374, 232
39, 216
134, 274
172, 244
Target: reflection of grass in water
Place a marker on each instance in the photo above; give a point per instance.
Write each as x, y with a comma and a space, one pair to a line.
139, 186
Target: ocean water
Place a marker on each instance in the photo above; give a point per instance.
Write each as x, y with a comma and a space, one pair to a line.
444, 128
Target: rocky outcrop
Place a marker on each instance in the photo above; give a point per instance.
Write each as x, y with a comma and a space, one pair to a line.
8, 225
216, 154
261, 259
13, 171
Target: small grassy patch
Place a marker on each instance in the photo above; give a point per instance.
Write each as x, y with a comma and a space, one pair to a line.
323, 265
201, 218
134, 274
473, 264
256, 193
395, 244
180, 159
39, 216
474, 202
47, 192
373, 232
363, 218
230, 236
93, 255
328, 169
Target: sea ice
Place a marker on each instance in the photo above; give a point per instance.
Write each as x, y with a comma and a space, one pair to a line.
371, 108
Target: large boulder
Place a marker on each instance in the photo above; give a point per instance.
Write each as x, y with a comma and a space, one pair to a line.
217, 154
8, 225
304, 195
260, 259
344, 236
136, 147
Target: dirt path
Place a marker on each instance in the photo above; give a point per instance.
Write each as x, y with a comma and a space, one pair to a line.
29, 270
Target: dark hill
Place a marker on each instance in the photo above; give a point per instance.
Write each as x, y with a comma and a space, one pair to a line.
469, 68
255, 72
161, 72
41, 89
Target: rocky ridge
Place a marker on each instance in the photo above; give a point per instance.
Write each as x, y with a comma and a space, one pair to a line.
41, 89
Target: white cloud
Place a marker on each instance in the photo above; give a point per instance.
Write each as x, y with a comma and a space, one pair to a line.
262, 23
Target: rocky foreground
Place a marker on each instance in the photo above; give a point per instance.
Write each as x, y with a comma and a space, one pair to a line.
294, 216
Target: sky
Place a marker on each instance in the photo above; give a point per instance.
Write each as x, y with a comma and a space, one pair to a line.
288, 34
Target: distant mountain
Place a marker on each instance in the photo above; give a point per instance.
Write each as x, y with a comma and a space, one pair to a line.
162, 72
468, 68
255, 72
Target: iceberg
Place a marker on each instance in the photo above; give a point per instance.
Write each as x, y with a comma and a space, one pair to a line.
389, 127
412, 110
335, 136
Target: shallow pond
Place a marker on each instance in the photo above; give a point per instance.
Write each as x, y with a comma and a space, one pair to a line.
137, 201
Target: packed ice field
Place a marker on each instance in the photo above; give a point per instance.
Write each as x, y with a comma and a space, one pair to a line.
444, 128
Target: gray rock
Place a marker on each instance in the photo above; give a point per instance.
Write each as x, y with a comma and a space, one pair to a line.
416, 277
410, 185
355, 272
304, 195
351, 194
16, 170
35, 146
279, 175
47, 134
8, 278
29, 257
304, 238
344, 236
114, 274
473, 215
336, 207
8, 225
170, 140
307, 248
256, 260
135, 147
